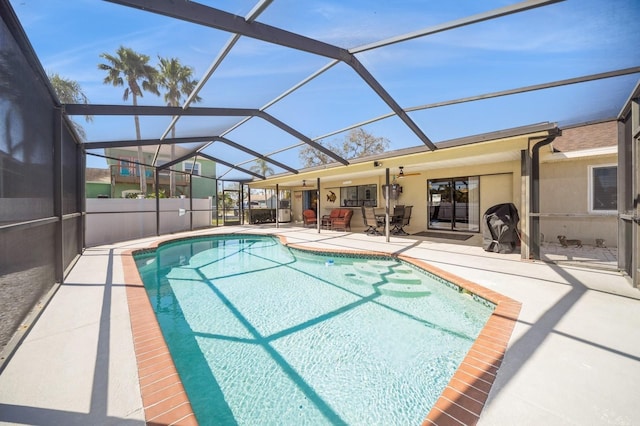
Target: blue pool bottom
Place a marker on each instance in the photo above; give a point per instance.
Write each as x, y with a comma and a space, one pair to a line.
264, 334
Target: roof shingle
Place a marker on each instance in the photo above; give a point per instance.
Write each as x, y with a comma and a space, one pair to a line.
589, 136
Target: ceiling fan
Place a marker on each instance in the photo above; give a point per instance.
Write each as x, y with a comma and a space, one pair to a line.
402, 174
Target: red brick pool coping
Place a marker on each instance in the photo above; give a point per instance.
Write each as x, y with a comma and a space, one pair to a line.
165, 401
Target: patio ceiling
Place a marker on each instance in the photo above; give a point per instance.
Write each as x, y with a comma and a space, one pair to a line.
276, 76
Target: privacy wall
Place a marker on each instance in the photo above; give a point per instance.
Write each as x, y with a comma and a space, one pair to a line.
110, 220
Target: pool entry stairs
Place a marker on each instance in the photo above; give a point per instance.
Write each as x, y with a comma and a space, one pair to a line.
389, 278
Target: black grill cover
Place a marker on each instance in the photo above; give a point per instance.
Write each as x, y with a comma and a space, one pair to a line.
500, 230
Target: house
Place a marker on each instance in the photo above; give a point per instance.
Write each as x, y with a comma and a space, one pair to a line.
578, 185
97, 183
449, 188
189, 176
568, 191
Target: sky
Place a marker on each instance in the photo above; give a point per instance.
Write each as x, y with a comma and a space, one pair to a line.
567, 39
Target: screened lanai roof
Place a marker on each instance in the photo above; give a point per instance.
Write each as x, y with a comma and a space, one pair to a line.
276, 76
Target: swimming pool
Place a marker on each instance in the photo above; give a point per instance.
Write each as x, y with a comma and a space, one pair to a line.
262, 333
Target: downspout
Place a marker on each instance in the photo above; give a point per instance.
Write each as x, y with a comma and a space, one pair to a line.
534, 226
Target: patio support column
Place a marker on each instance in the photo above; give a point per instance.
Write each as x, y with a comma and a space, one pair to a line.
191, 202
386, 205
277, 205
240, 204
629, 189
81, 201
58, 196
190, 207
318, 215
525, 178
157, 188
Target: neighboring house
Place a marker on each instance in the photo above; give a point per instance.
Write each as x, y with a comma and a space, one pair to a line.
578, 185
97, 183
125, 173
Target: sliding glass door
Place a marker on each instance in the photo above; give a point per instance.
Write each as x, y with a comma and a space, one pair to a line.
454, 204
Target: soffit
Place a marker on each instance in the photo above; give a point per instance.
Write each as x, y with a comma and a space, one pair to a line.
459, 154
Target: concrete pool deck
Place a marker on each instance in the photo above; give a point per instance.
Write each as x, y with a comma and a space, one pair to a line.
573, 357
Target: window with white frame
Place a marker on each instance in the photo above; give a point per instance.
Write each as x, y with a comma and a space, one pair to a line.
188, 165
603, 188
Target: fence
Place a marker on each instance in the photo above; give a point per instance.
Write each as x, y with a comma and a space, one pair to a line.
110, 220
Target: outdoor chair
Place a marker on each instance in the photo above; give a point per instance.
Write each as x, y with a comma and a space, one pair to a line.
309, 218
404, 221
342, 222
327, 220
396, 219
370, 221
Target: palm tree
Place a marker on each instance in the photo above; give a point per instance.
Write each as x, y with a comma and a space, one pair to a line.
264, 169
178, 80
70, 92
131, 70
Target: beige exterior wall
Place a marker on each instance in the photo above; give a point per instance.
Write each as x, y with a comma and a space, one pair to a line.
357, 222
487, 158
564, 190
564, 186
499, 183
496, 189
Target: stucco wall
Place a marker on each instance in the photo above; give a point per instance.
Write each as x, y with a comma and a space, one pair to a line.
496, 189
564, 190
499, 183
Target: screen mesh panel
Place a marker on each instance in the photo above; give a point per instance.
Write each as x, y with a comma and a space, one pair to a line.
69, 173
27, 262
34, 247
70, 244
26, 184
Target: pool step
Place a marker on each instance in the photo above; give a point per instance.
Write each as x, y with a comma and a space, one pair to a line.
379, 268
359, 279
369, 279
370, 270
184, 273
403, 290
403, 279
389, 277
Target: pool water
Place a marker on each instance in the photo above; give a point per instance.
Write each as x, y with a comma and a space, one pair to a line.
265, 334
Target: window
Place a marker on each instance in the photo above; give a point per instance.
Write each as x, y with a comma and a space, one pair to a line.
127, 168
603, 189
360, 195
188, 165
